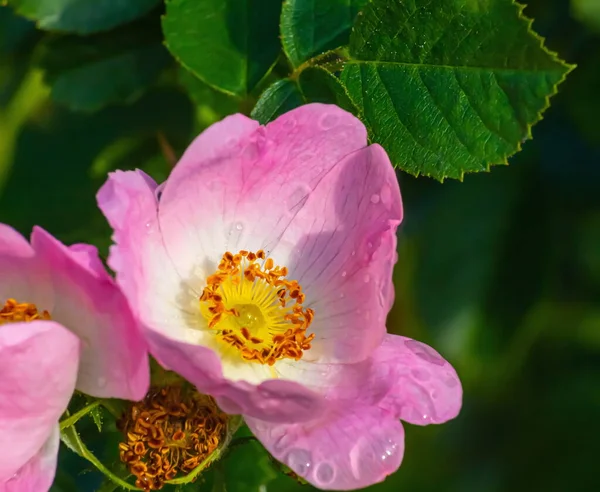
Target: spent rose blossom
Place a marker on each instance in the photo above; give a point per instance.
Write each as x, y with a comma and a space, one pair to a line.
261, 271
64, 325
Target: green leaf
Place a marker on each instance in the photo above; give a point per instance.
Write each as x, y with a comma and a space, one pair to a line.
88, 73
229, 44
449, 87
279, 98
310, 27
248, 468
318, 85
82, 16
72, 440
314, 84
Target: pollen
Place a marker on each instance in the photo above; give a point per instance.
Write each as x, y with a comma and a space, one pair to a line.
253, 308
171, 432
19, 312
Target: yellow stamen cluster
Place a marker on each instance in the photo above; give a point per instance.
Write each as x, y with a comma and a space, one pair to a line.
171, 431
255, 309
15, 312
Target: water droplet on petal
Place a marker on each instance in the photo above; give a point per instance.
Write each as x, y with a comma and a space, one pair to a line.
344, 273
420, 374
451, 382
239, 226
299, 460
289, 123
375, 198
367, 278
425, 352
328, 121
386, 193
324, 473
305, 157
374, 449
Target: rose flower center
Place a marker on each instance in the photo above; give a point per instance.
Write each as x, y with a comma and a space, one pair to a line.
253, 308
19, 312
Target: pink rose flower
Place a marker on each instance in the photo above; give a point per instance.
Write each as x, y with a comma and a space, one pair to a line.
64, 325
262, 273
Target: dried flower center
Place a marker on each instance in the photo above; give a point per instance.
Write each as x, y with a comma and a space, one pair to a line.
18, 312
171, 431
253, 308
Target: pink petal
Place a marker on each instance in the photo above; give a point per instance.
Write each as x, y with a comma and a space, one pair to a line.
23, 278
247, 190
272, 400
114, 360
345, 249
426, 388
143, 269
38, 363
38, 473
353, 447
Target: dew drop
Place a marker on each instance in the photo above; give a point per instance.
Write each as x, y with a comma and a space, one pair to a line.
420, 374
375, 198
386, 193
344, 273
239, 226
300, 461
451, 382
367, 278
324, 473
382, 450
289, 124
425, 352
328, 121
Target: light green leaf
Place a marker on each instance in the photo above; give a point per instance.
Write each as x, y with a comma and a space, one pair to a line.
449, 87
88, 73
230, 44
314, 84
82, 16
310, 27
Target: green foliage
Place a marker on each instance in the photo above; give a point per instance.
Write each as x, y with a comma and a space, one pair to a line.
310, 27
449, 88
89, 73
500, 273
229, 44
314, 84
80, 16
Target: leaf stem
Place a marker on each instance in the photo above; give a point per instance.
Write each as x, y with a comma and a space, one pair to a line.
69, 421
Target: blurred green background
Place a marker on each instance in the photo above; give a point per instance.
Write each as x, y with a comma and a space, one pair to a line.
501, 273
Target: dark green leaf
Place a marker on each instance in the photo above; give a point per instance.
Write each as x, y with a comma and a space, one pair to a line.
279, 98
248, 468
88, 73
310, 27
318, 85
82, 16
230, 44
449, 87
313, 85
